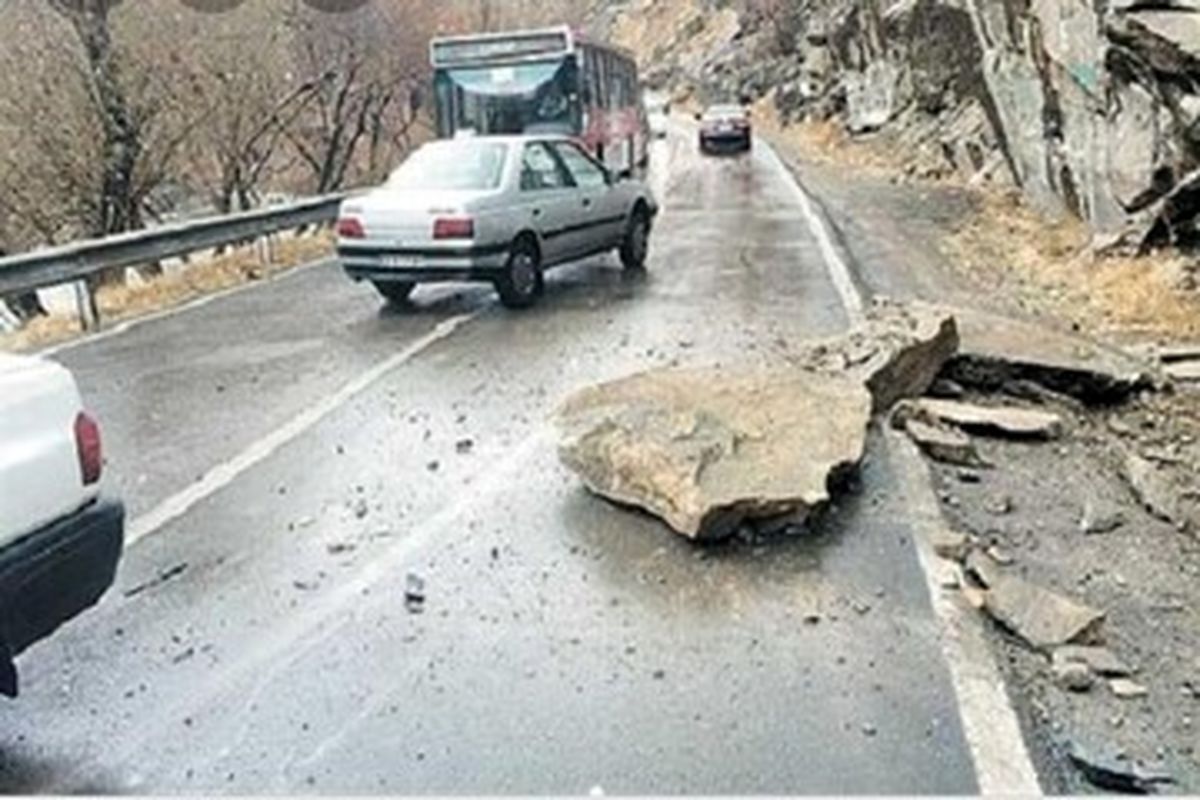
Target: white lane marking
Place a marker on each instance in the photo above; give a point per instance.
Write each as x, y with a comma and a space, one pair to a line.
990, 725
196, 302
225, 473
839, 272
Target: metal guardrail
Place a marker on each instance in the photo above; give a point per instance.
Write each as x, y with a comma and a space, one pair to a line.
78, 261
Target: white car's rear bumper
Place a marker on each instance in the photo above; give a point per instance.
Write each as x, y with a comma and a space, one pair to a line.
372, 262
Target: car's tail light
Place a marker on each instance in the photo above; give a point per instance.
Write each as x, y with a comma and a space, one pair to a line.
87, 445
454, 228
350, 228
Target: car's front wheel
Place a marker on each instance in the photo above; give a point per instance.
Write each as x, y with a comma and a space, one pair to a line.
635, 247
521, 283
396, 292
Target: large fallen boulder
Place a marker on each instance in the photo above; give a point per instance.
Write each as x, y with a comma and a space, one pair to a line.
706, 449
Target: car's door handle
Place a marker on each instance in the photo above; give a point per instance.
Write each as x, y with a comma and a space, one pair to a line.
537, 212
587, 202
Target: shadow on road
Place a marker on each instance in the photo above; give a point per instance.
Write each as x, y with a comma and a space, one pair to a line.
25, 774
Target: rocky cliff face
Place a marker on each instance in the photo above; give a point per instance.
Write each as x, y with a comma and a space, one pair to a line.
1091, 108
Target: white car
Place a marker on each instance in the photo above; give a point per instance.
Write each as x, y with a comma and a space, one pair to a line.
495, 208
60, 541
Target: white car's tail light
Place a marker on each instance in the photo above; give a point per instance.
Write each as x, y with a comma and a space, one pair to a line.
454, 228
350, 228
87, 445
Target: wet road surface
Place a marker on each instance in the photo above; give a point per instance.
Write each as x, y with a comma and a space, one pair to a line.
262, 639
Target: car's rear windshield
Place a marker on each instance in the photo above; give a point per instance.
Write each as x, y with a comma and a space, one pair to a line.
465, 165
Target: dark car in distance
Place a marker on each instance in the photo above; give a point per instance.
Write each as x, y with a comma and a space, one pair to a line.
725, 128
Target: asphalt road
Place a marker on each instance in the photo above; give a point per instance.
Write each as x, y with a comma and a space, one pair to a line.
259, 640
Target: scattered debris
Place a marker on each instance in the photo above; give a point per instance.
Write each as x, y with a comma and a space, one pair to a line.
1127, 689
1152, 488
1099, 660
1017, 423
1098, 519
158, 580
1001, 506
1074, 676
1000, 555
982, 569
464, 446
1114, 772
414, 593
1043, 618
950, 544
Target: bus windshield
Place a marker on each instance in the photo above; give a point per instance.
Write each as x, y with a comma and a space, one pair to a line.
537, 97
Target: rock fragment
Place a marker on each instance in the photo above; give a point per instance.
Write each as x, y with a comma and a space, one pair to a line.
414, 593
1074, 676
1098, 659
943, 444
950, 544
1099, 519
1113, 772
1044, 619
1152, 488
1127, 689
1015, 423
897, 351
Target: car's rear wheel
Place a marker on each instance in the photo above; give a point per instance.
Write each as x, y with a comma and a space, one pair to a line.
521, 283
396, 292
636, 245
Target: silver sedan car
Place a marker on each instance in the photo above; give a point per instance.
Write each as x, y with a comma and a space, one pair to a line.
492, 208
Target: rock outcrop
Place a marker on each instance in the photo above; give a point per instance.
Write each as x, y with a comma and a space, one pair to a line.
1091, 109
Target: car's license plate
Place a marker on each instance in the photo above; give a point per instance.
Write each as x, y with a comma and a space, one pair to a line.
401, 260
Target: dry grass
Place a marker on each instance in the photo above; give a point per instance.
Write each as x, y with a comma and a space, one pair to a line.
823, 142
1008, 247
1049, 265
211, 275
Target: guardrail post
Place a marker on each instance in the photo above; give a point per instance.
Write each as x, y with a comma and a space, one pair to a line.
85, 301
